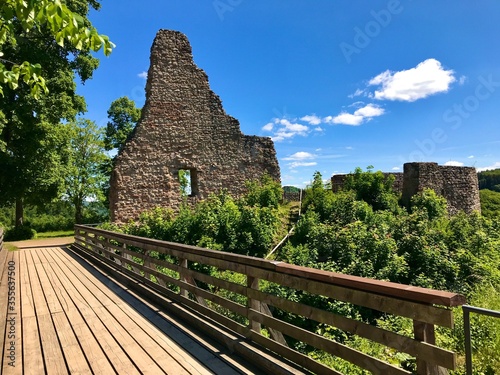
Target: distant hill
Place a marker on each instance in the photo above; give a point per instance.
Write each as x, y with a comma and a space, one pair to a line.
489, 180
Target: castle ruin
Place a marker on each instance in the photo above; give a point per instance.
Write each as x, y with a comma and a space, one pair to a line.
183, 127
459, 185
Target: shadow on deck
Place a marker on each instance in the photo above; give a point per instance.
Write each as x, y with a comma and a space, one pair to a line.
63, 315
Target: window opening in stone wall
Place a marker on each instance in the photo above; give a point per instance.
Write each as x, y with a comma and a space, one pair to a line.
187, 180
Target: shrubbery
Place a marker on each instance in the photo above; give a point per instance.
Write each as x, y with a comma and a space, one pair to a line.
362, 231
245, 226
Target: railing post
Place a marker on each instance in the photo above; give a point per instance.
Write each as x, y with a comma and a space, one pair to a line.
253, 282
182, 276
468, 345
425, 332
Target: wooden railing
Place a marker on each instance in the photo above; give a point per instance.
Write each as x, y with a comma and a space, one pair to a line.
179, 273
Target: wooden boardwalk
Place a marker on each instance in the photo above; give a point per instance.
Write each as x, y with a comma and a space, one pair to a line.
67, 317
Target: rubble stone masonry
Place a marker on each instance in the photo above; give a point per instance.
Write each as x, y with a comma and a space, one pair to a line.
459, 185
183, 126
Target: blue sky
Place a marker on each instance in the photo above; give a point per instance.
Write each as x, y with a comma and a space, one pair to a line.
336, 84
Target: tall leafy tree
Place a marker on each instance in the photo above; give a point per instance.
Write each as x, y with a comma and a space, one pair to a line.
123, 117
32, 147
84, 178
66, 24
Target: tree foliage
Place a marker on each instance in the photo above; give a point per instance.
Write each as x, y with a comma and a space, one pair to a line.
489, 180
58, 37
245, 226
21, 19
84, 178
123, 117
490, 203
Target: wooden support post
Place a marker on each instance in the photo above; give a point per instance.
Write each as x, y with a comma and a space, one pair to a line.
182, 276
253, 282
147, 263
425, 332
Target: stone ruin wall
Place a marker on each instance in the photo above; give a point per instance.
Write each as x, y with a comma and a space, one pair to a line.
459, 185
183, 126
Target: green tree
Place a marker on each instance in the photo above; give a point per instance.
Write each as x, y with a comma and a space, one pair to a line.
25, 19
373, 187
489, 180
490, 203
84, 177
32, 165
32, 139
123, 116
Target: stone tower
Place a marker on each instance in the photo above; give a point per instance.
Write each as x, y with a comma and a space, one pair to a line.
459, 185
183, 127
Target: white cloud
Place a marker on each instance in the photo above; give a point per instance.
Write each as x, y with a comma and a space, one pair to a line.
296, 164
143, 75
462, 80
301, 155
454, 163
427, 78
470, 157
347, 119
495, 165
311, 119
396, 168
369, 110
358, 92
268, 127
286, 129
349, 148
319, 129
358, 117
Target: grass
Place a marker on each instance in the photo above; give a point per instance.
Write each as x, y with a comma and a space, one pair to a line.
60, 233
9, 247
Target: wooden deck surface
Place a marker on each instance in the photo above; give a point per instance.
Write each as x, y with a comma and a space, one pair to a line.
66, 317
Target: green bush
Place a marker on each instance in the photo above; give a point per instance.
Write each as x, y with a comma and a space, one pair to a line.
20, 233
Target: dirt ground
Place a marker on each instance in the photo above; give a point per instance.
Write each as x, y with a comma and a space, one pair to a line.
43, 242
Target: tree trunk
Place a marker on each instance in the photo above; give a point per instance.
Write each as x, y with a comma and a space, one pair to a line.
19, 212
78, 213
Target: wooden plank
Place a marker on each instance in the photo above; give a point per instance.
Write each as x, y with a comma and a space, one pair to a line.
272, 365
406, 292
53, 356
4, 290
443, 357
110, 325
197, 348
137, 339
416, 311
32, 348
161, 246
114, 353
430, 352
89, 345
155, 337
12, 363
354, 356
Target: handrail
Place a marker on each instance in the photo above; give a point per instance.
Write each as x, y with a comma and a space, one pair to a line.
169, 269
1, 238
468, 345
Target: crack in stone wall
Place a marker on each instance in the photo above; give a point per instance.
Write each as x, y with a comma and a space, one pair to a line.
183, 126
